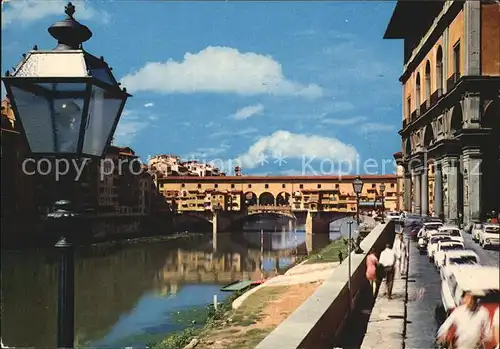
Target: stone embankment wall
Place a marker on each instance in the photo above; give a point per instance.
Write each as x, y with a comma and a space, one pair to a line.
320, 319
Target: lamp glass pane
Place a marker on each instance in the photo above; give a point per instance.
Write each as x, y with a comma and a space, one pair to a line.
51, 120
103, 112
34, 112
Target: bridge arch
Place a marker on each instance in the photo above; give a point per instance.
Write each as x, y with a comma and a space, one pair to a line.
283, 199
266, 199
250, 198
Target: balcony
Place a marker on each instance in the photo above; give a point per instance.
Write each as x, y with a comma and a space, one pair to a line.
452, 81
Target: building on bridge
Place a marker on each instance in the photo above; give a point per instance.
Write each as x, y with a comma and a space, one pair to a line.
451, 106
300, 193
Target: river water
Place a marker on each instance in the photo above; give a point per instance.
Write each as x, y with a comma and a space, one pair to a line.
136, 292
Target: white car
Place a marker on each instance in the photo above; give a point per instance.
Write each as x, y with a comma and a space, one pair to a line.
442, 250
477, 228
423, 237
459, 257
392, 216
490, 236
433, 244
482, 281
452, 231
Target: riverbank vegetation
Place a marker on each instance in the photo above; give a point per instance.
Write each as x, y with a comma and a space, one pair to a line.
334, 252
258, 315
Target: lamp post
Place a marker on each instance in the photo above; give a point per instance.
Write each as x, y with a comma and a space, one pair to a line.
382, 191
357, 185
69, 104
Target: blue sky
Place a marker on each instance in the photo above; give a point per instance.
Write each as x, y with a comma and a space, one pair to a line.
277, 87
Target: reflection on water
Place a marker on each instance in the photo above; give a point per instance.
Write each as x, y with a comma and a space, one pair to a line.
131, 294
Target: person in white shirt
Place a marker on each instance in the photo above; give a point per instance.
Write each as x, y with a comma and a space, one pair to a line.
471, 322
495, 327
401, 255
388, 259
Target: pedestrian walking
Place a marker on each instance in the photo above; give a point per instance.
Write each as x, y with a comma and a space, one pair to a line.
467, 327
388, 259
401, 255
371, 271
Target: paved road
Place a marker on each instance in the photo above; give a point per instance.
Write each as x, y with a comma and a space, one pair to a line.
424, 294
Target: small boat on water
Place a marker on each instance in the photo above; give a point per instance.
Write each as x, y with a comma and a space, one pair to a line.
240, 285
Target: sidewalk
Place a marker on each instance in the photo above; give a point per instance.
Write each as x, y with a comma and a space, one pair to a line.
386, 326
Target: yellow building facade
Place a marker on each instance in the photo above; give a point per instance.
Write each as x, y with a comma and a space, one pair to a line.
451, 106
233, 193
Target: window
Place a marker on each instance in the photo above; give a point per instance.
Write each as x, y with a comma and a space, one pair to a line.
337, 186
408, 107
249, 186
266, 186
301, 186
319, 186
232, 186
456, 58
216, 185
417, 93
392, 185
283, 186
183, 185
374, 186
199, 186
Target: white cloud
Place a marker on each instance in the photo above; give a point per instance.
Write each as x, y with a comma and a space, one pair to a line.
376, 127
248, 111
149, 105
240, 133
344, 121
130, 125
285, 144
218, 70
28, 11
202, 154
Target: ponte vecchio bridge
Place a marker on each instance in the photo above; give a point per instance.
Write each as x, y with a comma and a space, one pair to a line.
227, 201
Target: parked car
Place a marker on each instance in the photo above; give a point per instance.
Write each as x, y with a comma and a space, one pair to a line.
392, 216
443, 248
459, 257
476, 230
452, 231
482, 281
489, 236
412, 220
433, 244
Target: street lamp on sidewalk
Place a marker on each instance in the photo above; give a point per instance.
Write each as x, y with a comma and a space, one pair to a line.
382, 192
357, 185
69, 104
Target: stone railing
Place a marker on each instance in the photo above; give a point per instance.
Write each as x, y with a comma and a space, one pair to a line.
321, 318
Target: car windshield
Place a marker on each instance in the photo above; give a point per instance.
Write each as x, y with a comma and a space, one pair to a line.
492, 296
436, 239
432, 226
492, 230
452, 247
455, 233
478, 226
463, 260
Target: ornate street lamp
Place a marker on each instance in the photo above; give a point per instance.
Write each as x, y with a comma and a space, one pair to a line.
69, 104
67, 100
357, 185
382, 191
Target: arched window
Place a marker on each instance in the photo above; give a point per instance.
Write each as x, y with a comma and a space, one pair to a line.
417, 93
428, 84
439, 71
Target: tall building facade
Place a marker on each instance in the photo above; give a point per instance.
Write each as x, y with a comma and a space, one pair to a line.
451, 106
